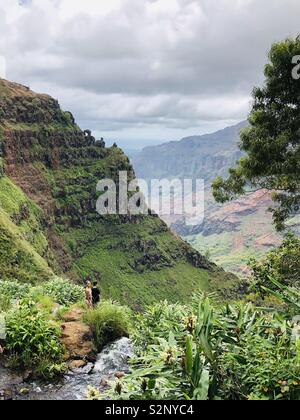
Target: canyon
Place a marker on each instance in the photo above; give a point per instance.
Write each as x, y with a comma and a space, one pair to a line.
48, 221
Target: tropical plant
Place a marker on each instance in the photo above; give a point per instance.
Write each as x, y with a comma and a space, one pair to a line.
31, 338
63, 291
13, 289
5, 303
290, 296
228, 352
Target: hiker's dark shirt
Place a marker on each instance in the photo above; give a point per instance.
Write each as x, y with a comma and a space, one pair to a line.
96, 295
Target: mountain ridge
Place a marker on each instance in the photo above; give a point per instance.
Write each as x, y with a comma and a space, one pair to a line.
232, 233
55, 166
182, 158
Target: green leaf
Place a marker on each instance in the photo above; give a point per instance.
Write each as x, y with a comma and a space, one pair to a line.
189, 355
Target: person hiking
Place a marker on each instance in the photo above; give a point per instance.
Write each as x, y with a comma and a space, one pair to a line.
88, 294
95, 294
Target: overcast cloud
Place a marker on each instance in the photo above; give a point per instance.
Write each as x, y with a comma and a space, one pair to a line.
145, 70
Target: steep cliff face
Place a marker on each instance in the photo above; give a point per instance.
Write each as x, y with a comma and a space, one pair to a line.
236, 232
56, 167
203, 157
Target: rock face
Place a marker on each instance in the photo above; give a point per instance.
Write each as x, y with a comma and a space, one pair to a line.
236, 231
230, 216
52, 168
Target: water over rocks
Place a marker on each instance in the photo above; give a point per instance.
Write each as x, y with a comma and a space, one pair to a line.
111, 363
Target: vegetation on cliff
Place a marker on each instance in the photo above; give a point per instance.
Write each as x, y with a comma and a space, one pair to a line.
24, 250
48, 199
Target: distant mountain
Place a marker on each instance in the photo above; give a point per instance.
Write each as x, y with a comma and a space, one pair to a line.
202, 157
131, 153
230, 234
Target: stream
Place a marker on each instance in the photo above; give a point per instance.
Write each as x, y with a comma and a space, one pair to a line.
114, 358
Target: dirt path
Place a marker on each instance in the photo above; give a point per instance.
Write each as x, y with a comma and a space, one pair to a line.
77, 338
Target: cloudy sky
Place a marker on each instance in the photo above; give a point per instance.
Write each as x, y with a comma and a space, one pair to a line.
144, 71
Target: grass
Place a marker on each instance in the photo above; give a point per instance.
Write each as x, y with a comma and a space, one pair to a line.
110, 250
22, 241
108, 321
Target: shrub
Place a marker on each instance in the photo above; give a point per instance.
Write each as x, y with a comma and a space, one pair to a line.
63, 291
5, 303
109, 322
159, 320
50, 370
281, 264
9, 291
13, 289
31, 338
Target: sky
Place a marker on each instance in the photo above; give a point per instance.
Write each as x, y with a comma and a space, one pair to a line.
142, 72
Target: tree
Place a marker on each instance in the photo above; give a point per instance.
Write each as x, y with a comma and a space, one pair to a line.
280, 264
272, 141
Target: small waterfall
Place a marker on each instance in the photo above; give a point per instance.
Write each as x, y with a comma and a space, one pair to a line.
114, 358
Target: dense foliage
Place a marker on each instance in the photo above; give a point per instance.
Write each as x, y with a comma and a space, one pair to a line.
209, 352
9, 291
13, 289
32, 340
281, 264
32, 332
230, 352
272, 141
63, 291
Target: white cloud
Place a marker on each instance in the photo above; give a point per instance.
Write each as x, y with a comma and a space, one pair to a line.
149, 67
71, 8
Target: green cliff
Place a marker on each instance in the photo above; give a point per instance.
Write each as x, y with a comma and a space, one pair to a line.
49, 170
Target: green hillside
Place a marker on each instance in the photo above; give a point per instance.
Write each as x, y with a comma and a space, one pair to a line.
24, 248
48, 218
